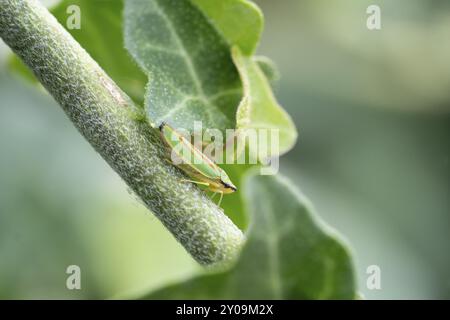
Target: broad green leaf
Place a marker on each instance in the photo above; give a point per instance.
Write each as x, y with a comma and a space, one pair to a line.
289, 253
184, 47
259, 108
240, 21
191, 74
101, 36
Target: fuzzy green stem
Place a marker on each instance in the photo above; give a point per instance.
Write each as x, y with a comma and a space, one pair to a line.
104, 115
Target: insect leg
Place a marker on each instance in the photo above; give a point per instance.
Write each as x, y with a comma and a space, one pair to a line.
221, 197
196, 182
214, 195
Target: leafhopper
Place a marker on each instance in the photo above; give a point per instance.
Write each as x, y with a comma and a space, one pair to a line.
195, 163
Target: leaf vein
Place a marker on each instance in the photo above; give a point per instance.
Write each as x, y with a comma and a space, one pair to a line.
187, 58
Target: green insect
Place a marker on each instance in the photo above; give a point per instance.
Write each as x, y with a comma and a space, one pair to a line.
196, 164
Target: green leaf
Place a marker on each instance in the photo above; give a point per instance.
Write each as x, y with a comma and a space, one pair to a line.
191, 74
259, 108
240, 21
184, 47
289, 253
101, 36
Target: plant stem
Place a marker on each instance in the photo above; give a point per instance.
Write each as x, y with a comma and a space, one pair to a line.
106, 117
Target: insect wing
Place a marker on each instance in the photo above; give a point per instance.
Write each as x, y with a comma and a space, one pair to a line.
187, 156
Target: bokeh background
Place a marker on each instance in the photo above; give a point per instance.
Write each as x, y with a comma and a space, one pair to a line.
373, 112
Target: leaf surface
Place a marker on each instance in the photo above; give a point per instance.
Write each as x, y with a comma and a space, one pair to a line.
259, 108
240, 21
191, 74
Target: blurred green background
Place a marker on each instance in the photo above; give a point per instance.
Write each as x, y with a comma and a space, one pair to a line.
373, 112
